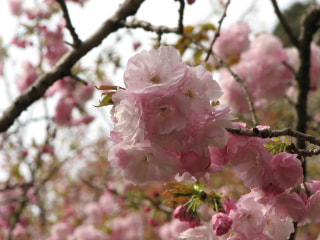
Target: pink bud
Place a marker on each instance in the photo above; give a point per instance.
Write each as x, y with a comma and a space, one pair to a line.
191, 1
221, 223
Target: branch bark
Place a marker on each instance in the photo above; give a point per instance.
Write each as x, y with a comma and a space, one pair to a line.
62, 68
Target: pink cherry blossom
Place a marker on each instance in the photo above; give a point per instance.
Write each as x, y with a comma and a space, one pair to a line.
249, 159
63, 111
54, 44
200, 232
290, 205
172, 229
141, 163
108, 204
93, 213
232, 42
15, 7
277, 228
248, 219
129, 227
60, 230
262, 71
191, 1
127, 121
155, 70
173, 114
87, 232
166, 114
221, 223
28, 77
287, 170
313, 207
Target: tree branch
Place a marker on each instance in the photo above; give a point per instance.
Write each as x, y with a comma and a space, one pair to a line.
310, 25
285, 24
62, 68
217, 34
75, 37
267, 133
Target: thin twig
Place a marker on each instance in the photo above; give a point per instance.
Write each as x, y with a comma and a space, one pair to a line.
217, 34
148, 27
75, 37
267, 133
78, 79
243, 87
286, 26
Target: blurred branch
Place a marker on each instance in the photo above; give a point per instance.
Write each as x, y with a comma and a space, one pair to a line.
62, 68
217, 34
285, 24
75, 37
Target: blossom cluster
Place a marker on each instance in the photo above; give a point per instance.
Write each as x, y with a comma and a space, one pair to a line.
262, 64
166, 118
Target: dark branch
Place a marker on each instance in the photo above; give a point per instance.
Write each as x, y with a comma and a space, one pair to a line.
75, 37
285, 24
181, 13
310, 25
62, 68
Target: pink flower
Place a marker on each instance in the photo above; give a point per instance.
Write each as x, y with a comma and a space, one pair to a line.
201, 232
182, 214
277, 228
262, 71
93, 212
250, 160
166, 114
108, 204
287, 170
87, 232
82, 94
172, 229
290, 205
155, 70
221, 223
28, 77
129, 227
191, 1
54, 44
164, 120
133, 160
313, 207
232, 42
15, 7
60, 230
63, 111
84, 119
127, 121
248, 219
